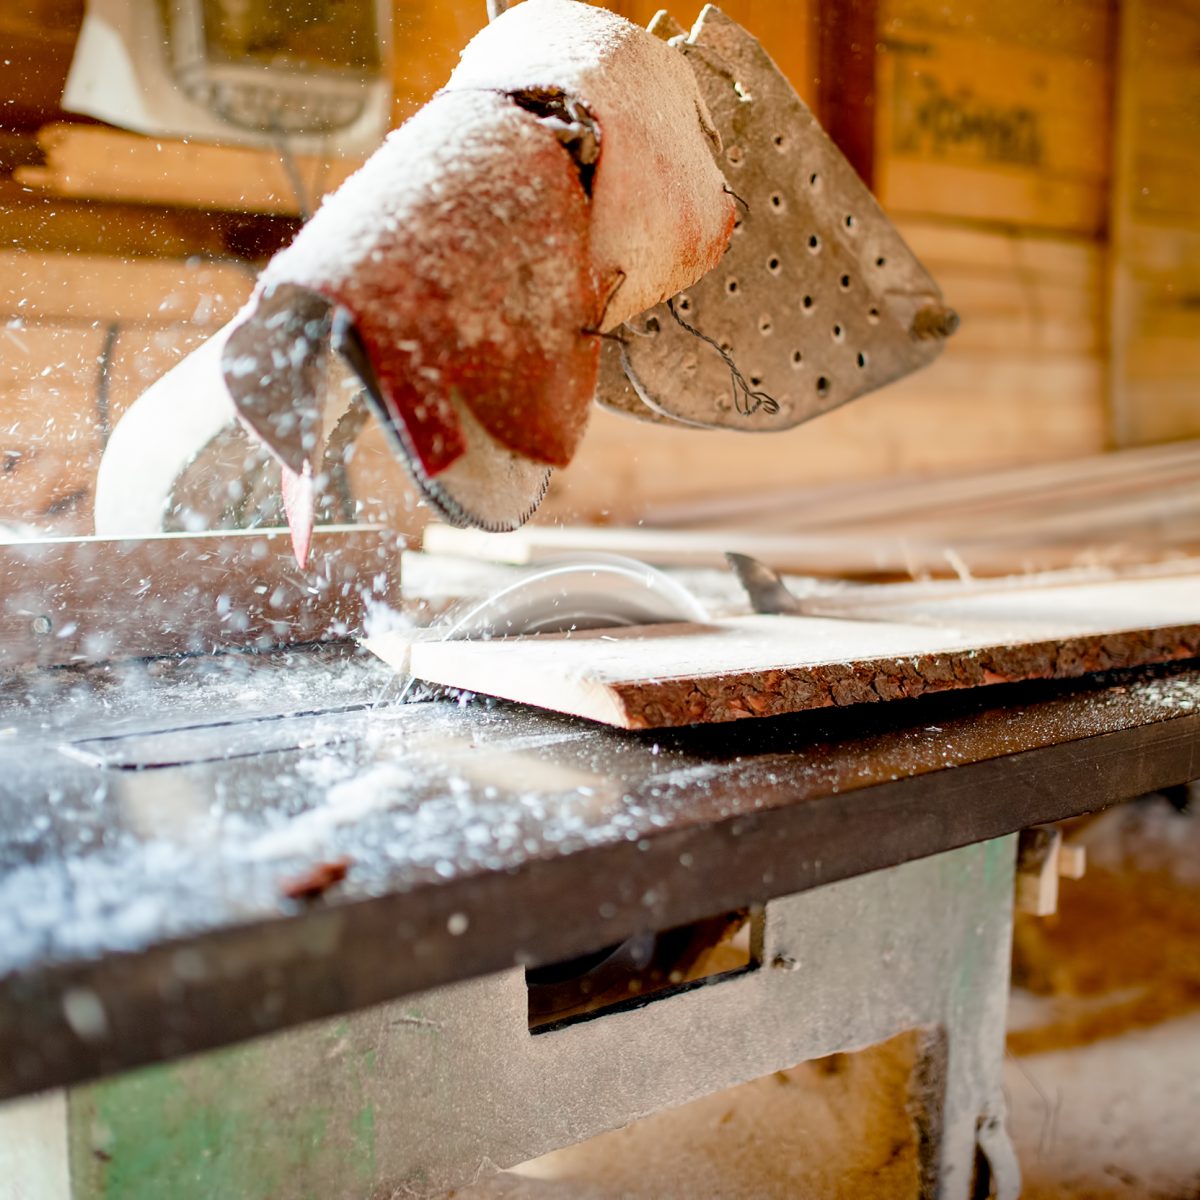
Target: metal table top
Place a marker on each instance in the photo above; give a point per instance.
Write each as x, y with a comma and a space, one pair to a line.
151, 811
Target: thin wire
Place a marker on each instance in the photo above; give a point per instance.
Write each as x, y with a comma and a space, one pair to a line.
746, 401
730, 192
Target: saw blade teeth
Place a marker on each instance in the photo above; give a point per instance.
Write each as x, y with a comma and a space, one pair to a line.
442, 499
455, 514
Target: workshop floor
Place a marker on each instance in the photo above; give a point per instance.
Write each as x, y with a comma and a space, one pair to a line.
1103, 1074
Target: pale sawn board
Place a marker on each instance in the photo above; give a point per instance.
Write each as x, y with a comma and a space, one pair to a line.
662, 675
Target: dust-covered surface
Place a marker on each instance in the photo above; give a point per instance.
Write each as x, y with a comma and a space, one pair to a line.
1101, 1080
158, 808
254, 764
837, 1128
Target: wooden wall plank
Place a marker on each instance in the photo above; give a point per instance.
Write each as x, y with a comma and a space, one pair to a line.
96, 162
46, 224
50, 438
992, 414
78, 287
995, 115
66, 380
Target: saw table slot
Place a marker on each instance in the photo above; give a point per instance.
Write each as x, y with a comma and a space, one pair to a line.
220, 740
646, 967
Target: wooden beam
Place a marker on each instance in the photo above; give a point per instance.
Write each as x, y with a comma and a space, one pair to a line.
46, 224
88, 288
1043, 858
847, 33
989, 113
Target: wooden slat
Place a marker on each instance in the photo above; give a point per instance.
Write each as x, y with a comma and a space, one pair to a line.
654, 676
960, 245
62, 287
89, 599
977, 503
46, 224
1079, 28
95, 162
886, 554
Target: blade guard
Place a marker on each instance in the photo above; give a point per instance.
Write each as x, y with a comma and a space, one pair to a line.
818, 299
561, 181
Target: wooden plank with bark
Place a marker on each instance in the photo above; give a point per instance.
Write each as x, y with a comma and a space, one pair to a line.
764, 666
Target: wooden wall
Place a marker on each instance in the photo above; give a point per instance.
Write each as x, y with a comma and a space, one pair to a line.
990, 133
1155, 381
997, 113
118, 255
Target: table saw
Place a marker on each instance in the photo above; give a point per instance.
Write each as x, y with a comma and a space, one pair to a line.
174, 1019
274, 924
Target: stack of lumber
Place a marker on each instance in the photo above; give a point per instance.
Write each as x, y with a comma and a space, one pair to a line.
1127, 507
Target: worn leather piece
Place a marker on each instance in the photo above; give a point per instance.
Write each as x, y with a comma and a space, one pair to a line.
460, 251
661, 217
563, 181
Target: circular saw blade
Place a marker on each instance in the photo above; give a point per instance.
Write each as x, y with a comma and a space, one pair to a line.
599, 592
